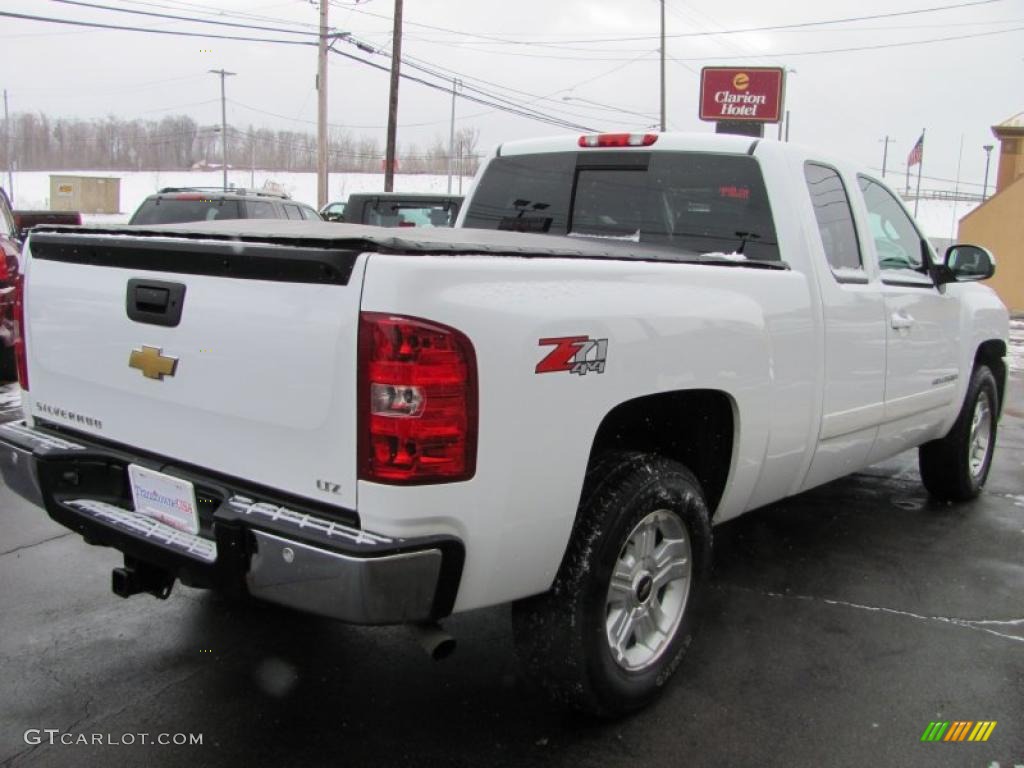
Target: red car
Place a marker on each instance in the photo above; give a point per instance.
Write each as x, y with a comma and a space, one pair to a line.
10, 247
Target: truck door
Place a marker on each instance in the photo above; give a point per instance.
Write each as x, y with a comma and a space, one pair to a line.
922, 326
854, 327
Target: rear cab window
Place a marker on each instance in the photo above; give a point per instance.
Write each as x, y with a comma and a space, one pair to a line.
184, 208
835, 222
383, 213
697, 202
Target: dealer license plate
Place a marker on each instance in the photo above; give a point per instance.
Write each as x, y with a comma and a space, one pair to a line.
170, 500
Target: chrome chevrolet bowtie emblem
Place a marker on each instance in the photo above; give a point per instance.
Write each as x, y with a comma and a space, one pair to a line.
152, 364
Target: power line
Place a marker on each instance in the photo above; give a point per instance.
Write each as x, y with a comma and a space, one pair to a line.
502, 107
183, 18
853, 49
178, 33
742, 30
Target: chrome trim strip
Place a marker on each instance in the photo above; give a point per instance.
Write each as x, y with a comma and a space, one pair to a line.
301, 521
188, 544
21, 429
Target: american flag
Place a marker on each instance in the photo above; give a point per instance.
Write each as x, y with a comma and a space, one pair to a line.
916, 153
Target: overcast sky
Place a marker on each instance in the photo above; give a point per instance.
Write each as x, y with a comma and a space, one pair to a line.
559, 57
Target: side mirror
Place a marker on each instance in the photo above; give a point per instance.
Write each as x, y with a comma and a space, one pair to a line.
967, 263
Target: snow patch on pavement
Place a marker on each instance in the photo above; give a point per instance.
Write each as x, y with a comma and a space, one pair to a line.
10, 396
1016, 350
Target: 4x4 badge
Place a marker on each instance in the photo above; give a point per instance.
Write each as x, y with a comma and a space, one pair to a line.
152, 363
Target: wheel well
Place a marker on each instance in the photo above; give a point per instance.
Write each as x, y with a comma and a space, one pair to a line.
693, 427
992, 354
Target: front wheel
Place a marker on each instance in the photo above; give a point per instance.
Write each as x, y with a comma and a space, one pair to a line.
955, 467
624, 606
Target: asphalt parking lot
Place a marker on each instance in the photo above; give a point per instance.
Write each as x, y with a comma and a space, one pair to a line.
841, 623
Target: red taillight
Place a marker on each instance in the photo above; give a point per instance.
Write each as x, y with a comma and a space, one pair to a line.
617, 139
20, 359
417, 401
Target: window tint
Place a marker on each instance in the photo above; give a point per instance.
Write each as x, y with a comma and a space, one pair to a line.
292, 211
389, 214
834, 217
696, 202
260, 209
169, 210
897, 240
524, 194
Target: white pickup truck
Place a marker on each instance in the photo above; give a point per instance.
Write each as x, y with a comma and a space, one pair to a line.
643, 336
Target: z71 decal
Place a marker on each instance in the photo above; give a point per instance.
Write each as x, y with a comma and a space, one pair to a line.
575, 354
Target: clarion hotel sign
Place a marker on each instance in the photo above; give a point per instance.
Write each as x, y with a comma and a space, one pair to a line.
753, 94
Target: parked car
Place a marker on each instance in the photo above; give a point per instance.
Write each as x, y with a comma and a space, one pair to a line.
174, 205
391, 427
10, 248
333, 212
398, 209
25, 220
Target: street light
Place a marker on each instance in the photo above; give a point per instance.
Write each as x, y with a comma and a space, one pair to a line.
608, 107
785, 117
988, 156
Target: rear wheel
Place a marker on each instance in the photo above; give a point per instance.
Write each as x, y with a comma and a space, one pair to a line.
955, 467
624, 605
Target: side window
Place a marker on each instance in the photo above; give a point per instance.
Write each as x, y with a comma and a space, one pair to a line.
292, 211
897, 241
260, 209
835, 221
309, 214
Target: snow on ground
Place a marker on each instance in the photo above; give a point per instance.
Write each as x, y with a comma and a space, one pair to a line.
32, 188
1016, 351
10, 397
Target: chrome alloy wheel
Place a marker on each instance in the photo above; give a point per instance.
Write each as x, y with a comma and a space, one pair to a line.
649, 589
981, 435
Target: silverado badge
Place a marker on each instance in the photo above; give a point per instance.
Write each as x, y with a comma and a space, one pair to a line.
152, 364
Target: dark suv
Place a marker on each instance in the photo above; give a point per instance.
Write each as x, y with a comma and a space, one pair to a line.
173, 205
397, 209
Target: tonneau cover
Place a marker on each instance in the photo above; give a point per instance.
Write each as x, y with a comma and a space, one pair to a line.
364, 238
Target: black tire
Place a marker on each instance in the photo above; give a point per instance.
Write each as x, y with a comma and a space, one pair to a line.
561, 636
946, 464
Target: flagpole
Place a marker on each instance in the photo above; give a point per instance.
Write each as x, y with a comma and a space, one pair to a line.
920, 166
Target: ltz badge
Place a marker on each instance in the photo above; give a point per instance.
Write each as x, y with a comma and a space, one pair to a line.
575, 354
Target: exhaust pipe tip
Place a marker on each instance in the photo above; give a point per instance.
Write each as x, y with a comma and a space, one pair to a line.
437, 643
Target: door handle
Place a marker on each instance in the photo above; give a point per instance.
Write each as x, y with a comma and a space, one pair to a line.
901, 321
155, 302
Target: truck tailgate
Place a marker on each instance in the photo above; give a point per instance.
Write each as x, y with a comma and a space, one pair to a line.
257, 379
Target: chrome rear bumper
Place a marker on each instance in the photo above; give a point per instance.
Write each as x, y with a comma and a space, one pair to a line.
282, 553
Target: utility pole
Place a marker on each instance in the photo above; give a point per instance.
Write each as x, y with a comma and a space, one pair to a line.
10, 160
451, 137
984, 190
223, 124
396, 60
321, 110
664, 122
885, 154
